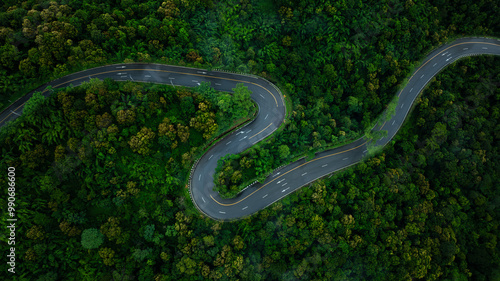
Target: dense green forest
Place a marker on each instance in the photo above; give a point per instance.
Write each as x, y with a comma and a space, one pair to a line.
340, 62
98, 203
103, 167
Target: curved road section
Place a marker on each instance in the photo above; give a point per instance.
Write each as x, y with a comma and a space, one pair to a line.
270, 116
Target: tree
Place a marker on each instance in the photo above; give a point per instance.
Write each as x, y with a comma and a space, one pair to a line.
241, 101
92, 238
283, 151
142, 141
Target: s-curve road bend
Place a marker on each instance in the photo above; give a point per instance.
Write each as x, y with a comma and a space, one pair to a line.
300, 173
271, 115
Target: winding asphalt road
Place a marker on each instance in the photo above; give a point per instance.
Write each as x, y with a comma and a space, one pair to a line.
270, 116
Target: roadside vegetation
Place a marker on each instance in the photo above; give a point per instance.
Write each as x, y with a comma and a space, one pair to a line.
103, 167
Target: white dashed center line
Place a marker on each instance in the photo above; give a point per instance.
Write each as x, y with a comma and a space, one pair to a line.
324, 165
285, 189
245, 208
210, 157
264, 196
402, 105
285, 184
266, 117
422, 76
222, 212
393, 122
203, 200
228, 142
199, 178
434, 64
345, 158
304, 174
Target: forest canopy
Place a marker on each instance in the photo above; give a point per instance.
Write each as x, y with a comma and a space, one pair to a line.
103, 166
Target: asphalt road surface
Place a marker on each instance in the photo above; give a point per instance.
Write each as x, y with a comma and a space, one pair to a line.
270, 116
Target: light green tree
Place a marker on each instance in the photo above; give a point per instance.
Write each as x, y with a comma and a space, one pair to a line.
92, 238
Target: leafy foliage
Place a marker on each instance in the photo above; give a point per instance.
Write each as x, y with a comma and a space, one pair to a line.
427, 208
92, 238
